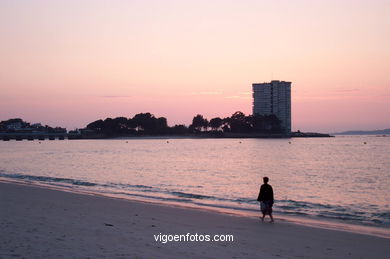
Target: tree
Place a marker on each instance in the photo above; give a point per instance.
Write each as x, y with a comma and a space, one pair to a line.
147, 123
265, 123
144, 121
274, 123
96, 126
120, 124
205, 124
198, 122
215, 123
131, 125
161, 125
258, 123
226, 124
109, 127
179, 130
239, 123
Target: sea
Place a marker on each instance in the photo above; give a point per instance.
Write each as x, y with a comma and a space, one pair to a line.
341, 182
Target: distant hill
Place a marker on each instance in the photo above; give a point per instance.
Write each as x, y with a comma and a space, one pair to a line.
362, 132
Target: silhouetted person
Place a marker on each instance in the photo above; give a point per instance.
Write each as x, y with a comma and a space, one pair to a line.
266, 199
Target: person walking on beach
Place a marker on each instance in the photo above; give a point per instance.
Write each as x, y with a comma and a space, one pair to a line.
266, 199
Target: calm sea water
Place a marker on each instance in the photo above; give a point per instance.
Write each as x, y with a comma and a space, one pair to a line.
338, 178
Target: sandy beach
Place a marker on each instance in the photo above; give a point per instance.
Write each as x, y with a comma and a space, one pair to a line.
43, 223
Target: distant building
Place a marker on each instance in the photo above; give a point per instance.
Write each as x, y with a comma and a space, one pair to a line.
273, 98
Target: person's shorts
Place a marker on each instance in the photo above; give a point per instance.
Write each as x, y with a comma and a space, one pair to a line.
266, 207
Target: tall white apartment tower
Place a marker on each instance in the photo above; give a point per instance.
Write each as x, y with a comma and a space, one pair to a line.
273, 98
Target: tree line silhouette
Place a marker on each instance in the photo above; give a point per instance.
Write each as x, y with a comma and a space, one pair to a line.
148, 124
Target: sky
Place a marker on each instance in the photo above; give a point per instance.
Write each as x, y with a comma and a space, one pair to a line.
68, 63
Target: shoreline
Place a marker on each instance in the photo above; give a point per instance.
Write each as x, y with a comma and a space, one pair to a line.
41, 222
209, 135
327, 224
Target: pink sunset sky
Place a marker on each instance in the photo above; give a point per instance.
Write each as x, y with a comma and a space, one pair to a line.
68, 63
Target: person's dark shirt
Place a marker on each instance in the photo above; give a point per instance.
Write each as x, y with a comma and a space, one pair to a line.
266, 193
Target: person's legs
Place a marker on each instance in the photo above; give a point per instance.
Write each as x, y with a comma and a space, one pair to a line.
270, 212
262, 211
270, 215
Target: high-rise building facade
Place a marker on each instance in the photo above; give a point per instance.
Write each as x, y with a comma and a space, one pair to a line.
273, 98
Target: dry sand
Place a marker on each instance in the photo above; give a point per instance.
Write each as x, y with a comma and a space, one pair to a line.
43, 223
